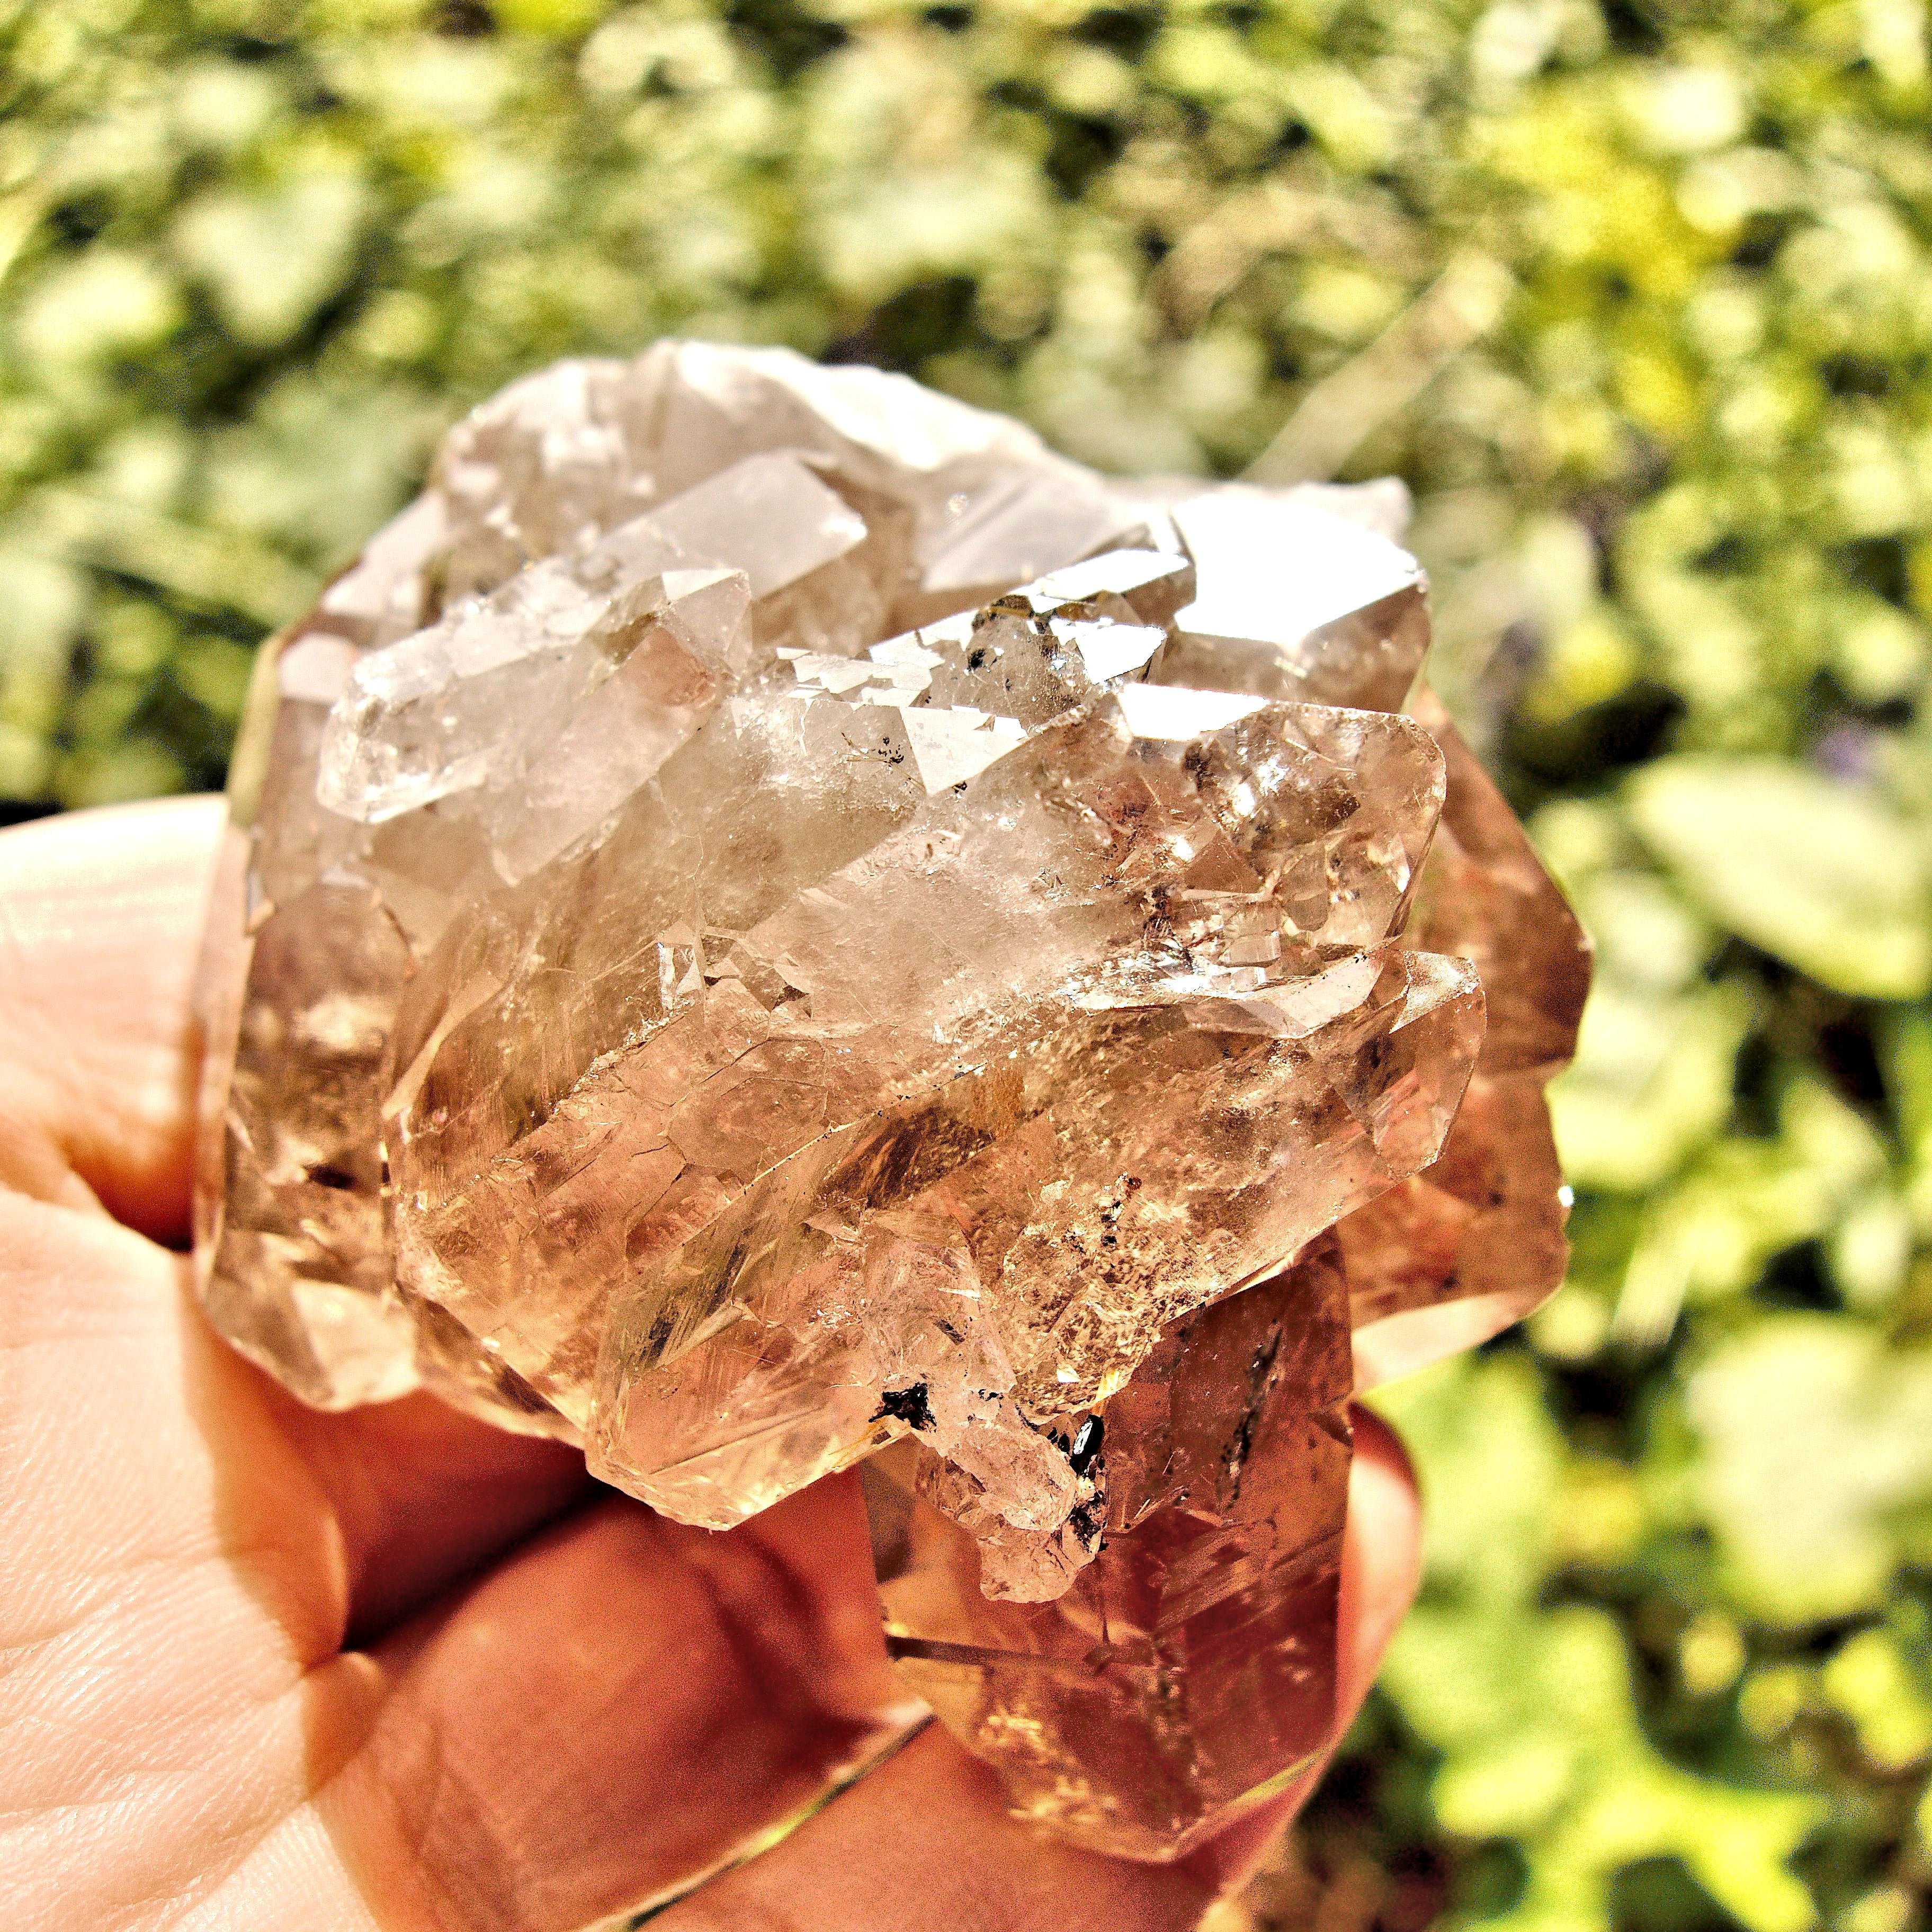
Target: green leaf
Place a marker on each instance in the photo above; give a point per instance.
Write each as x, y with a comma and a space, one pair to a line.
1821, 875
1492, 1461
1871, 1681
1816, 1439
108, 302
1652, 1082
1532, 1709
272, 260
1745, 1200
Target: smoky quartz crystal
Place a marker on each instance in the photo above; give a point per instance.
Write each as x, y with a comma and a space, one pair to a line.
770, 922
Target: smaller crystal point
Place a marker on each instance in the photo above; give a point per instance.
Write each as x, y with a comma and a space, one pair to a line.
1188, 1671
1347, 623
536, 711
802, 524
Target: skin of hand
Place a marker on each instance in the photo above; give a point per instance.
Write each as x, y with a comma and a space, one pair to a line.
264, 1668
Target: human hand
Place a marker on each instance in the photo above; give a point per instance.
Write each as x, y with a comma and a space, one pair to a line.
261, 1667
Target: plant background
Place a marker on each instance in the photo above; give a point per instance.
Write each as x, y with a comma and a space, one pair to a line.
1638, 297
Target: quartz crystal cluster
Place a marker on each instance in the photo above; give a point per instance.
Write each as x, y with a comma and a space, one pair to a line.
770, 922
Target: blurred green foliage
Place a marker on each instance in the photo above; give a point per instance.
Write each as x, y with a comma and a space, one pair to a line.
1638, 296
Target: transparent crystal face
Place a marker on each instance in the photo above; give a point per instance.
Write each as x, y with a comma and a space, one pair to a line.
771, 921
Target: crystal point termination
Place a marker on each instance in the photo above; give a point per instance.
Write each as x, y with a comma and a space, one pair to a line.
771, 921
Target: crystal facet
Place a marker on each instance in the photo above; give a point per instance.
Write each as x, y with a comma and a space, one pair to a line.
770, 921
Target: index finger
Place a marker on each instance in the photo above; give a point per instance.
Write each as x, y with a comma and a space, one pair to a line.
100, 918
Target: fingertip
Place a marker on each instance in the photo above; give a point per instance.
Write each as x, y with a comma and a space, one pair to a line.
1377, 1444
104, 915
1382, 1563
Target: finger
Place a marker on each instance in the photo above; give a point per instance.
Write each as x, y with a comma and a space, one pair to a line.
138, 1445
134, 1438
623, 1701
615, 1710
133, 1630
100, 915
420, 1496
924, 1843
174, 1586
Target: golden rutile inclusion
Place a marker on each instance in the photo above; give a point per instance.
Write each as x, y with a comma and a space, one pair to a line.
770, 922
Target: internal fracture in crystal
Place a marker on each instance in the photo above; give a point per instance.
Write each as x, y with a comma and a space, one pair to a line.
771, 923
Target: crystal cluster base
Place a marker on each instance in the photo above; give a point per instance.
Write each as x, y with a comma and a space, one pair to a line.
771, 923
